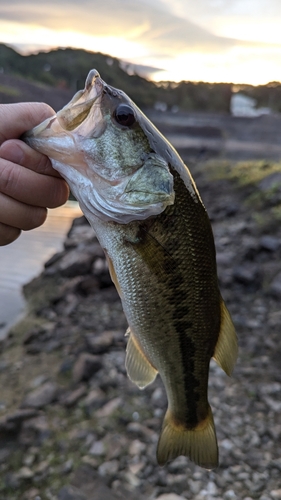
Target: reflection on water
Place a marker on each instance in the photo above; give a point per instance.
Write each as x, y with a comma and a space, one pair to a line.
24, 259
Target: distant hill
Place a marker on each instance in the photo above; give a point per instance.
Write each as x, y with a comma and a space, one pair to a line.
68, 68
18, 89
56, 75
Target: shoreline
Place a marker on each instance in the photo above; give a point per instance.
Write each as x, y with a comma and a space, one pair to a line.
24, 259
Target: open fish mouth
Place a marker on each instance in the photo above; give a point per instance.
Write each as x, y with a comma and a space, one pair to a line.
99, 146
53, 136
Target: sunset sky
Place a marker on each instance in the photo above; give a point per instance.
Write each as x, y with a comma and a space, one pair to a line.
211, 40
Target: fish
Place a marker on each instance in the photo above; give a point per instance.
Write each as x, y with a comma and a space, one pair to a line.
146, 211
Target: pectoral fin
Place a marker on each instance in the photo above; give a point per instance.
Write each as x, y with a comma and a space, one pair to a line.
112, 273
139, 369
227, 348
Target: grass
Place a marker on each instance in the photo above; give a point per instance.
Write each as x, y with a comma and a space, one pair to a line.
9, 91
263, 204
244, 173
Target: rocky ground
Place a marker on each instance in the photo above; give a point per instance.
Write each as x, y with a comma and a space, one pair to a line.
73, 426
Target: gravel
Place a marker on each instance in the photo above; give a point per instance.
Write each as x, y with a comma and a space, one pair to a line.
90, 429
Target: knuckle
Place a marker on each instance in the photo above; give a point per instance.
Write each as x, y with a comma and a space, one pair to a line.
8, 177
43, 163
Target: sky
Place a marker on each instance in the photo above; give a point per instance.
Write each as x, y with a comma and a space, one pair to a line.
235, 41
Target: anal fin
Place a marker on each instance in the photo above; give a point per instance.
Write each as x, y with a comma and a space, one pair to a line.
226, 349
139, 369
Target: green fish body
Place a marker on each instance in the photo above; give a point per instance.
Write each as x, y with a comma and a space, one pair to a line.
150, 220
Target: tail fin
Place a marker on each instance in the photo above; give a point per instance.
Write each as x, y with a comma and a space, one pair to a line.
199, 443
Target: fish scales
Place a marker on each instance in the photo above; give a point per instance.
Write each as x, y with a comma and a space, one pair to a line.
174, 278
157, 237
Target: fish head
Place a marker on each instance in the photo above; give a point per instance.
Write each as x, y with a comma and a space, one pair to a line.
99, 145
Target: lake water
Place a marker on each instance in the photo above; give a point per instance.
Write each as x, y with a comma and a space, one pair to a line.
23, 260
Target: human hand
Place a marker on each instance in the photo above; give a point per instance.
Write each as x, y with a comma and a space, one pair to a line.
28, 183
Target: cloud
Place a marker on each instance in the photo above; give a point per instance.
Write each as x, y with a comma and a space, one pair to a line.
224, 8
190, 39
160, 31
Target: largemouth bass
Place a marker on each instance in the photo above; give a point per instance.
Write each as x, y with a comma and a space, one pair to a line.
146, 211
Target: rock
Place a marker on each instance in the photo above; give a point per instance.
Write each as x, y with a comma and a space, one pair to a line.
170, 496
97, 449
270, 182
40, 397
37, 381
71, 493
140, 430
33, 334
276, 493
116, 446
247, 274
25, 473
108, 468
87, 285
98, 344
225, 258
34, 431
32, 494
92, 485
229, 495
42, 467
109, 408
13, 421
95, 399
136, 447
133, 480
75, 263
11, 481
269, 243
5, 454
275, 286
86, 366
29, 459
73, 397
137, 467
67, 466
195, 486
79, 232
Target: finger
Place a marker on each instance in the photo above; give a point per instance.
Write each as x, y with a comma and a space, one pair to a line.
15, 119
18, 152
30, 187
19, 215
8, 234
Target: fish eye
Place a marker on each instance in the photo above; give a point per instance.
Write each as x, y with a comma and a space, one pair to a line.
124, 115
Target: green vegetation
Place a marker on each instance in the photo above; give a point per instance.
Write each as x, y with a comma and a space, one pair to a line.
244, 173
9, 91
68, 69
264, 201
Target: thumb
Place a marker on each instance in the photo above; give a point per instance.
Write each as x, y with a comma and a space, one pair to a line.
15, 119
